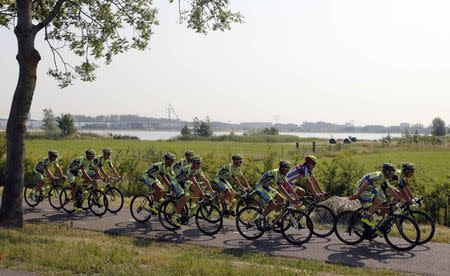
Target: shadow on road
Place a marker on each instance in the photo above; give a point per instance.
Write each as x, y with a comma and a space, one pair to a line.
354, 255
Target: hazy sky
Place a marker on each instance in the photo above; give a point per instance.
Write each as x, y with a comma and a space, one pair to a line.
371, 62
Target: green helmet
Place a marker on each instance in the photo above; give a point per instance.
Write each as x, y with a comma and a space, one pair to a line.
107, 150
189, 153
53, 152
285, 164
388, 167
169, 156
408, 166
90, 152
196, 159
237, 156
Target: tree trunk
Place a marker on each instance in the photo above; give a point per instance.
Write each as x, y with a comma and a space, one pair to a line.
28, 59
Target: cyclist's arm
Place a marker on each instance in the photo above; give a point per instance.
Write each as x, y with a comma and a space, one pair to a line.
392, 192
244, 180
237, 182
86, 176
407, 194
49, 174
361, 190
166, 181
104, 173
206, 181
196, 184
115, 173
60, 172
287, 191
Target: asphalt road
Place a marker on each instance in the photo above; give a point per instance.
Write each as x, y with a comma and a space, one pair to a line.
429, 259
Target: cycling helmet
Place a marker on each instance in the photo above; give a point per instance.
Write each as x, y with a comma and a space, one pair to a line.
388, 167
53, 152
90, 152
237, 157
107, 150
189, 153
408, 166
284, 164
196, 159
169, 156
311, 158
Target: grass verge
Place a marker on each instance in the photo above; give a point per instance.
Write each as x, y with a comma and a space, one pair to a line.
56, 249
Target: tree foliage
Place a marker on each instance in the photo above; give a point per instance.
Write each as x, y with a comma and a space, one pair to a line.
96, 30
438, 127
202, 128
49, 124
66, 124
185, 131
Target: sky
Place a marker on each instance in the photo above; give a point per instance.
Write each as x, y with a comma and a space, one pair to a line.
366, 62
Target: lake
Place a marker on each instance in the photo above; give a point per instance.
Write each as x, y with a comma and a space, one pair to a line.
164, 135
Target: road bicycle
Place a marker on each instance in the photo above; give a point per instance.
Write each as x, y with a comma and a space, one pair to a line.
400, 231
87, 197
33, 195
295, 225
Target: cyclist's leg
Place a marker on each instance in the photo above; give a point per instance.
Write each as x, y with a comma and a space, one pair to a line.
39, 179
268, 196
180, 194
299, 192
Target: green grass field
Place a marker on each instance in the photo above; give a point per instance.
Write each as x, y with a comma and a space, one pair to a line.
55, 249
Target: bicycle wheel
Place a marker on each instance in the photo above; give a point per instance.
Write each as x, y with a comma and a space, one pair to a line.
209, 218
140, 207
297, 227
349, 229
426, 224
66, 201
166, 211
250, 223
98, 203
323, 219
115, 199
31, 196
401, 232
53, 196
246, 202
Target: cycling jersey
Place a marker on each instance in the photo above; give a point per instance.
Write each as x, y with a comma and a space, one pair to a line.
79, 163
100, 161
44, 164
298, 172
271, 177
378, 185
400, 178
227, 171
186, 172
159, 169
179, 164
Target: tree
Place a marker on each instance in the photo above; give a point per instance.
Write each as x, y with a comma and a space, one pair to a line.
438, 127
92, 31
66, 124
49, 124
185, 131
202, 128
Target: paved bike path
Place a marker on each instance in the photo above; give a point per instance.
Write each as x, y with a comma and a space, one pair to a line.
429, 259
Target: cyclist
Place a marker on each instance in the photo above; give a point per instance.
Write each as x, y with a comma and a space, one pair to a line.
99, 163
230, 171
402, 176
270, 195
165, 172
80, 166
185, 179
372, 189
183, 162
42, 167
305, 171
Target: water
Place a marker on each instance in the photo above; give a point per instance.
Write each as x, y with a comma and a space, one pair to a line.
164, 135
